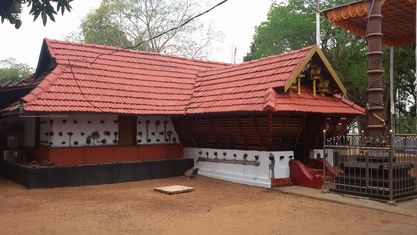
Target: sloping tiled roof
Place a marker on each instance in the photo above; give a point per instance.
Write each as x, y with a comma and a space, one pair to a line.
125, 81
243, 87
132, 82
315, 104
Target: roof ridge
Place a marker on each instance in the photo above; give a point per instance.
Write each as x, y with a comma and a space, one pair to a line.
260, 59
117, 49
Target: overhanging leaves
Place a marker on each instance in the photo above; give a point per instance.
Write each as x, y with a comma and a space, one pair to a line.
11, 9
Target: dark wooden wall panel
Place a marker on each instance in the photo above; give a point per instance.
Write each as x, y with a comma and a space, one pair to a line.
252, 130
242, 131
127, 130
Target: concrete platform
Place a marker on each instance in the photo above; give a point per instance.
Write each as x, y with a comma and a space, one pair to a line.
407, 208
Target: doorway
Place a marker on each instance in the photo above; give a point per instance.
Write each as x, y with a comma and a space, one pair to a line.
127, 130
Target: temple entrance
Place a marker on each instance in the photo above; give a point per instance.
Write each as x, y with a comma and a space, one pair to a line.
310, 137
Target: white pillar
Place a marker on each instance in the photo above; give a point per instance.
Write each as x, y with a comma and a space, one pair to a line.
391, 87
415, 82
318, 38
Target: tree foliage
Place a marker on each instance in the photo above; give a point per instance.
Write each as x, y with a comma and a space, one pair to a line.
12, 71
11, 9
125, 23
404, 88
98, 28
292, 26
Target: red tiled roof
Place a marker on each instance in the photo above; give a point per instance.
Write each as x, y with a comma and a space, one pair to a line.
132, 82
125, 81
242, 87
310, 103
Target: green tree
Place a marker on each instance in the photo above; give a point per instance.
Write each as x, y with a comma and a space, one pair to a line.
126, 23
98, 28
288, 26
12, 71
11, 9
404, 88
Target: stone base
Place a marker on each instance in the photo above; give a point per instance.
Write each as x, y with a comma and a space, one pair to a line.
60, 176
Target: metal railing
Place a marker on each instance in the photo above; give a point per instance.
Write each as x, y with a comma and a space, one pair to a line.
378, 168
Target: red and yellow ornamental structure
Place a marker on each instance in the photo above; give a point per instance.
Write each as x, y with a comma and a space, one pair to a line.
388, 22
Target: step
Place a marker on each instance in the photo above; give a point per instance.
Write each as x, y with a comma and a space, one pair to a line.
281, 182
315, 171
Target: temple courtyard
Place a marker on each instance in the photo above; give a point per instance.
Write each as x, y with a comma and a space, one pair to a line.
215, 207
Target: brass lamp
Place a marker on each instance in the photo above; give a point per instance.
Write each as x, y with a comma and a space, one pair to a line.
315, 75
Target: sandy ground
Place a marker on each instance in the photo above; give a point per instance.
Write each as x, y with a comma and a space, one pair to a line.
215, 207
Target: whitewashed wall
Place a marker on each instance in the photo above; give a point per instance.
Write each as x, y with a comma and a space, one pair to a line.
82, 130
239, 173
160, 130
79, 130
44, 132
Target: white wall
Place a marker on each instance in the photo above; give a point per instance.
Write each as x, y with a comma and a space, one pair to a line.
239, 173
164, 133
82, 128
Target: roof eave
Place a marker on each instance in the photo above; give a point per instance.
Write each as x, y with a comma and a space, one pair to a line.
324, 12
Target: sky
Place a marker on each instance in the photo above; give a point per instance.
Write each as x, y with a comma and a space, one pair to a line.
236, 20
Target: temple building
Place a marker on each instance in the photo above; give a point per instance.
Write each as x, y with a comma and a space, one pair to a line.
95, 114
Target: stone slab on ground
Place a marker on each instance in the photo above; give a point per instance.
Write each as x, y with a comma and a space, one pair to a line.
408, 208
174, 189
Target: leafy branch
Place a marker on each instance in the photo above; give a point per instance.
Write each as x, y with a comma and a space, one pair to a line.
11, 10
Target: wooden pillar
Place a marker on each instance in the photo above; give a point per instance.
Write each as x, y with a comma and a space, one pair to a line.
269, 130
376, 123
37, 132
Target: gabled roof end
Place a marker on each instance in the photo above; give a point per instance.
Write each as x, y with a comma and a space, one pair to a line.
315, 50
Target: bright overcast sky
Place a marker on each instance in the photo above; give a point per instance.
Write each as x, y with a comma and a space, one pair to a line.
236, 19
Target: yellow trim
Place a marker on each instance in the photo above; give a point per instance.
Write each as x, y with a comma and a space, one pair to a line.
333, 73
351, 10
314, 87
326, 63
379, 118
299, 85
300, 68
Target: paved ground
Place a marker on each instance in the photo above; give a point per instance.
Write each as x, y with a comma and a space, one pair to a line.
394, 228
408, 208
215, 207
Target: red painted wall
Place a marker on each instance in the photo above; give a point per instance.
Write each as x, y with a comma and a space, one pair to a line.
105, 154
